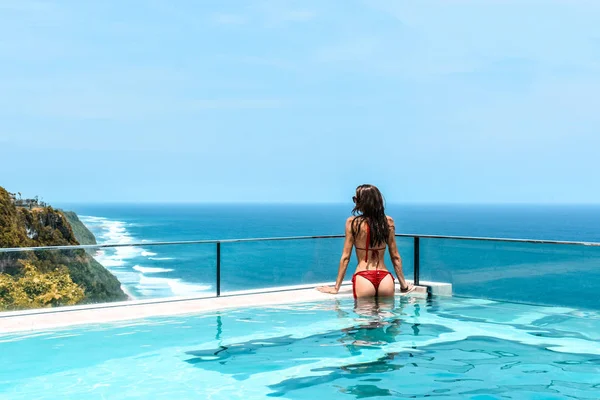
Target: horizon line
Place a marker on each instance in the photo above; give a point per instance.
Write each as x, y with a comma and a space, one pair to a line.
434, 203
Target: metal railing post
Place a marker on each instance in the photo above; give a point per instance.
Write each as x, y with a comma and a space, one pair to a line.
218, 269
417, 260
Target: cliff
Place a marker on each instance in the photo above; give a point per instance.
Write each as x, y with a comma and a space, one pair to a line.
51, 277
81, 232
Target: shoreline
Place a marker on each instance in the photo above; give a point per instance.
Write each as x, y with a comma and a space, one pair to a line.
130, 297
138, 269
85, 236
123, 286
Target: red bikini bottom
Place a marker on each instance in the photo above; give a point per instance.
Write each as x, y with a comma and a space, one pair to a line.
375, 276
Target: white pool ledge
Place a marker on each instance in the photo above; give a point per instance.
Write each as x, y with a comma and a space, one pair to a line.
43, 319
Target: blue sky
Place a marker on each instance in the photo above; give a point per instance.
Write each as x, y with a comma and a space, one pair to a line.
300, 101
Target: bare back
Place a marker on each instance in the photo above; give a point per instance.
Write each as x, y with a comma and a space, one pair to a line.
370, 258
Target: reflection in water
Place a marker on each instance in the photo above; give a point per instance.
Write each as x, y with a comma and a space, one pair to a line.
219, 328
377, 322
375, 307
370, 325
376, 348
378, 325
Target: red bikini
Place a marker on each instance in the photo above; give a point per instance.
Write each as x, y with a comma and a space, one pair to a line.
375, 276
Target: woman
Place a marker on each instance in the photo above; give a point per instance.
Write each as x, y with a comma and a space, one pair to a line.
369, 230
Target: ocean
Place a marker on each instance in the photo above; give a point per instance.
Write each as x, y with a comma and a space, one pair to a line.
520, 272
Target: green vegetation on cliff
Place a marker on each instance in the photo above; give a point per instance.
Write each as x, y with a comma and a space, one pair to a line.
53, 271
81, 232
36, 290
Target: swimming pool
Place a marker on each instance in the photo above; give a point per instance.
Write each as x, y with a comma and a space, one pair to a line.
411, 348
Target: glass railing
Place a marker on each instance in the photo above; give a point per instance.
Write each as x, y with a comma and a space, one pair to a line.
540, 272
60, 276
261, 264
537, 272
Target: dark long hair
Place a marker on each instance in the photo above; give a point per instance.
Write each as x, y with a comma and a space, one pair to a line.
369, 207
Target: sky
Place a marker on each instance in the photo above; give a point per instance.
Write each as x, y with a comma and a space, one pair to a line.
444, 101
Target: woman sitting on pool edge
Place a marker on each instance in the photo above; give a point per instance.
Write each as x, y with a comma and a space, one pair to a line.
369, 230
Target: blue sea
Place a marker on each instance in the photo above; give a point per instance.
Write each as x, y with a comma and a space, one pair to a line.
531, 273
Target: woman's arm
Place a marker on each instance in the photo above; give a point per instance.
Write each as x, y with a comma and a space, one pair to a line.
395, 256
346, 254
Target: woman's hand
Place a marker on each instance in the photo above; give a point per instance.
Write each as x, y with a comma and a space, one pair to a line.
408, 288
327, 289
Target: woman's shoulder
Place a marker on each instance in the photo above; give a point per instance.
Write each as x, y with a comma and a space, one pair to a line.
351, 219
355, 221
390, 221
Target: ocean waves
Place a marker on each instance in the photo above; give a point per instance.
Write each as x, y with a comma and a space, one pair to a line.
143, 273
151, 270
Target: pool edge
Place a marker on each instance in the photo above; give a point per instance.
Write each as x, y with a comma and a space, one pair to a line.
34, 320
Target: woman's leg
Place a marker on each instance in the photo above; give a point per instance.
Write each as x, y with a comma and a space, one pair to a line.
386, 287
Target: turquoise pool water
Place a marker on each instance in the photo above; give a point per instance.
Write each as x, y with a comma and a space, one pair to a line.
447, 348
